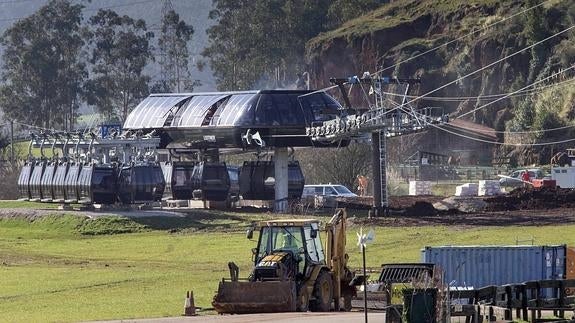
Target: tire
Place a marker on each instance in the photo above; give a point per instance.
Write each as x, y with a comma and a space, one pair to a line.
323, 293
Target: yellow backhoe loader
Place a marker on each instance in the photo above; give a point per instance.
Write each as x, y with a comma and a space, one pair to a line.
292, 270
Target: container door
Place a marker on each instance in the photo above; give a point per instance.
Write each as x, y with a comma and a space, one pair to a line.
554, 262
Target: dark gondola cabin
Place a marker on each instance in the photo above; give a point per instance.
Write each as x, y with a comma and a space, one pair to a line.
212, 180
71, 183
141, 183
178, 176
47, 179
59, 182
257, 180
97, 184
36, 180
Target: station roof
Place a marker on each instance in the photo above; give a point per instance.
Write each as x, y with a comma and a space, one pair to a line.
196, 109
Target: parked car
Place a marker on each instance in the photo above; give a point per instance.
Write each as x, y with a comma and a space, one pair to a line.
514, 179
327, 190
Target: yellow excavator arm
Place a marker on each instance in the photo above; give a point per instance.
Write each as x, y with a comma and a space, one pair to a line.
336, 257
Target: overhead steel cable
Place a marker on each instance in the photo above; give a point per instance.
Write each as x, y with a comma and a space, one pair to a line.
442, 128
484, 97
523, 88
527, 131
481, 69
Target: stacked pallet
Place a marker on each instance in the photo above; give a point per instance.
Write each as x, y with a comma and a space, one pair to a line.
468, 189
489, 188
419, 188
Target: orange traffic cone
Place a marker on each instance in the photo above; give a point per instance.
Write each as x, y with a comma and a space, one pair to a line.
189, 307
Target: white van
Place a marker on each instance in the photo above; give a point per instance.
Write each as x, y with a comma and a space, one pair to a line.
327, 190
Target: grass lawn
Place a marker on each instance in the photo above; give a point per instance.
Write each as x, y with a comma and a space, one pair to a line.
66, 268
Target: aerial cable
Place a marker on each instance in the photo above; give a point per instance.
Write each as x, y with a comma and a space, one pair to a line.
483, 68
525, 131
484, 97
523, 88
494, 142
460, 38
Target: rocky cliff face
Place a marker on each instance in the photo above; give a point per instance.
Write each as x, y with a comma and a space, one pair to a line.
404, 29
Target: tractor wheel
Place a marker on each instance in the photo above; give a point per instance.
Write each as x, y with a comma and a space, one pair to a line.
323, 293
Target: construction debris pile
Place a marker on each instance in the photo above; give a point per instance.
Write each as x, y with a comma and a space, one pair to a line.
526, 198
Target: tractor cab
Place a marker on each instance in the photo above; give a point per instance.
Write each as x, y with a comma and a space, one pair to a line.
287, 249
292, 270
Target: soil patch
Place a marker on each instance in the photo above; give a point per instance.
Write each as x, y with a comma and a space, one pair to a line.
532, 199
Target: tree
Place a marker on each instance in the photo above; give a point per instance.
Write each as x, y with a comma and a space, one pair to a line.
336, 165
536, 30
43, 70
173, 44
120, 49
341, 11
261, 43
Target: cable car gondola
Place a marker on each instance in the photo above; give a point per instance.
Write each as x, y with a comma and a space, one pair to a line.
257, 180
46, 185
178, 176
71, 182
36, 180
212, 180
97, 184
59, 182
141, 182
24, 180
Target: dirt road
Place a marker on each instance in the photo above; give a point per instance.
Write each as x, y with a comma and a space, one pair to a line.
339, 317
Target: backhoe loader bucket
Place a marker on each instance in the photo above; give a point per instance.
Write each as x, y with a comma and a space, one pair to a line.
241, 297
